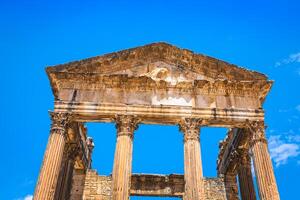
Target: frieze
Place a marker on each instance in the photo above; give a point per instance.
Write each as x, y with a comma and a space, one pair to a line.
214, 88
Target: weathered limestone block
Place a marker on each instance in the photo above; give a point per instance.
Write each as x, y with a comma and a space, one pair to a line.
214, 189
97, 187
157, 185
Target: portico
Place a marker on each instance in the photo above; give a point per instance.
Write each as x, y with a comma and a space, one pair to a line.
157, 84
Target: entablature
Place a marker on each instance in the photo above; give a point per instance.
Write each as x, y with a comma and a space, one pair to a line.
88, 82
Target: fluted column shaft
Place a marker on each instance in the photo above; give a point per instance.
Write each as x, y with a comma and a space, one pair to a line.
47, 182
121, 177
245, 178
231, 186
193, 174
262, 163
64, 182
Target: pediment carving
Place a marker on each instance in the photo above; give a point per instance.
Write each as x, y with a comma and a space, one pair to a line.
148, 59
161, 71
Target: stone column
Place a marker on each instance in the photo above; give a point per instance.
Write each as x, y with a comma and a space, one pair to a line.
245, 177
123, 157
193, 175
262, 163
47, 182
65, 180
231, 186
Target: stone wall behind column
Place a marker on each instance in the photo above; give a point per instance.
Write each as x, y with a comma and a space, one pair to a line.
78, 182
97, 187
214, 188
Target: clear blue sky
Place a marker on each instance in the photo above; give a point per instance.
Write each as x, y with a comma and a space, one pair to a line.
261, 35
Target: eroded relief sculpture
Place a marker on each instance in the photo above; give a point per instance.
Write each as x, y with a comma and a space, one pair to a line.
158, 84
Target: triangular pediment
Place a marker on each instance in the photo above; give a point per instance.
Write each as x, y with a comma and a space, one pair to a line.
160, 61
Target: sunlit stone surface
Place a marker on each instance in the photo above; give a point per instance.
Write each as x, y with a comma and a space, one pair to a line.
156, 84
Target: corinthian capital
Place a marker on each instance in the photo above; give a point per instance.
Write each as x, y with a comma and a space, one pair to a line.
126, 124
190, 128
60, 122
257, 132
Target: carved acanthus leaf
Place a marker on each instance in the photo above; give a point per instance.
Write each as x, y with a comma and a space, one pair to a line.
126, 124
257, 132
191, 128
60, 122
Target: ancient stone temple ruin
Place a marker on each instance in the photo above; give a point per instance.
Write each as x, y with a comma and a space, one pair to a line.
156, 84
